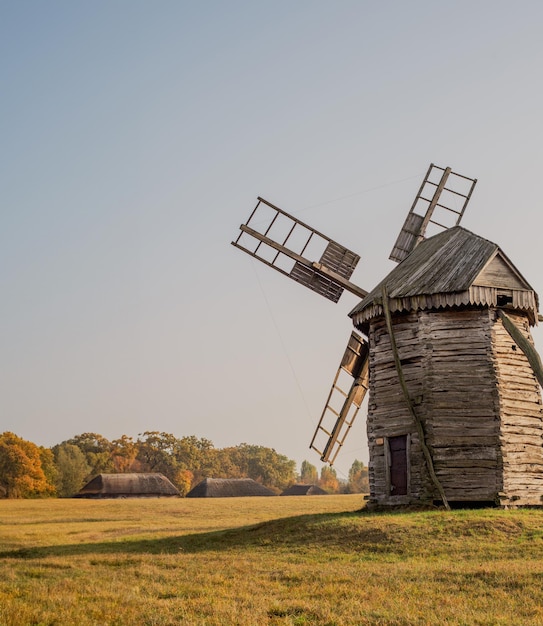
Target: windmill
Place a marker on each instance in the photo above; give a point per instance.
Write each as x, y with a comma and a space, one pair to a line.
434, 352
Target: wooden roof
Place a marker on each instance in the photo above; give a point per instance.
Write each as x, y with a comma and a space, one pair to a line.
128, 486
453, 268
228, 488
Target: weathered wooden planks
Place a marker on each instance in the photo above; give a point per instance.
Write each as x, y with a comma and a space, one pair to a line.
477, 397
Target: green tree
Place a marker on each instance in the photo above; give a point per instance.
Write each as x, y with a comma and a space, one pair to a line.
308, 473
21, 473
72, 469
97, 450
155, 452
195, 455
163, 452
49, 466
222, 464
264, 465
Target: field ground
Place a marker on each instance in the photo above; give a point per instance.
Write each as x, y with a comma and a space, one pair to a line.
265, 561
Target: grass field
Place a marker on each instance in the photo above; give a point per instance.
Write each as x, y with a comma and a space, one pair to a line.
297, 560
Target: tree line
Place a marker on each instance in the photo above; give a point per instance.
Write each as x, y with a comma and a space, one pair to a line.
28, 470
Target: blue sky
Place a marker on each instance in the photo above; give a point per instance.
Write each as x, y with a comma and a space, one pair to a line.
136, 137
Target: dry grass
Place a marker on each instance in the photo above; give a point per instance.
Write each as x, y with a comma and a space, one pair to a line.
300, 560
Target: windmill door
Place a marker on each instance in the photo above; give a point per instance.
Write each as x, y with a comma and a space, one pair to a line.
398, 465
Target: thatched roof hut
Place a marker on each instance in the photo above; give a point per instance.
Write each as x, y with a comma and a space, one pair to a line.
128, 486
304, 490
228, 488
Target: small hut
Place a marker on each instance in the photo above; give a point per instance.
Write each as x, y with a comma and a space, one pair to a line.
228, 488
304, 490
455, 406
153, 485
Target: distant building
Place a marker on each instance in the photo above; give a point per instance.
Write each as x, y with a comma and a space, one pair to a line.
304, 490
153, 485
228, 488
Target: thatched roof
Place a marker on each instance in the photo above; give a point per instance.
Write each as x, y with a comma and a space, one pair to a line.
453, 268
304, 490
128, 486
228, 488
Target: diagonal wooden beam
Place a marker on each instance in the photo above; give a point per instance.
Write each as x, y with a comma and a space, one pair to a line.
523, 344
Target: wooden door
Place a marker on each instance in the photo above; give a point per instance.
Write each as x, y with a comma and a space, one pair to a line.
398, 465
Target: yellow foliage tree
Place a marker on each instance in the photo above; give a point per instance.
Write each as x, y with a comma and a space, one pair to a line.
21, 472
328, 480
183, 481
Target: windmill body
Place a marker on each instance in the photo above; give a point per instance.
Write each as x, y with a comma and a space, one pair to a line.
468, 382
446, 355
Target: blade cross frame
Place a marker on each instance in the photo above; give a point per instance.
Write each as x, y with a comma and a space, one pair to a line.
329, 276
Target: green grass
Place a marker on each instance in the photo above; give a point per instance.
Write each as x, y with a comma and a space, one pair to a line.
300, 561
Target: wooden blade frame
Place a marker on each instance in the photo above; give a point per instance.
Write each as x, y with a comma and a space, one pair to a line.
437, 210
329, 276
333, 424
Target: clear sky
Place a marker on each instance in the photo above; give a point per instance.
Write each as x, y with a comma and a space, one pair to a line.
136, 137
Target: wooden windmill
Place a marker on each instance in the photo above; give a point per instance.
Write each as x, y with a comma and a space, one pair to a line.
454, 410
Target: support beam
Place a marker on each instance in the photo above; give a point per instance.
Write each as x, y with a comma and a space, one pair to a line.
523, 344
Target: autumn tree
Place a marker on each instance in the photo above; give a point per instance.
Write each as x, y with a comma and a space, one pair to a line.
183, 481
358, 478
21, 473
328, 480
308, 473
123, 454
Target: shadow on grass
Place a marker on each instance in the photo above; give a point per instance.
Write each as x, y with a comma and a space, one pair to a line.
396, 535
293, 533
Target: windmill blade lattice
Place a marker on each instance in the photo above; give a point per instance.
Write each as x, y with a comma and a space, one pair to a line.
344, 400
288, 245
440, 203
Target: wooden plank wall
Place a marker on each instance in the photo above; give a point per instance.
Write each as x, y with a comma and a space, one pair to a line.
462, 403
521, 432
388, 414
449, 369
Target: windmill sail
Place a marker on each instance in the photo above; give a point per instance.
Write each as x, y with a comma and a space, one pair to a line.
440, 203
288, 245
344, 400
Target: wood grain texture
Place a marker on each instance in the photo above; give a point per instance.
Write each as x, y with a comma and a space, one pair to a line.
477, 398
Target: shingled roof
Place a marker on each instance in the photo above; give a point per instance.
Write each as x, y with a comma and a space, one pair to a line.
453, 268
152, 485
228, 488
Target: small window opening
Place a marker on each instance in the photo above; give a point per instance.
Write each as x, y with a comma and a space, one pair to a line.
504, 300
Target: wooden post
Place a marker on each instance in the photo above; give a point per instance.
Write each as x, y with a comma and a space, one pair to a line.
403, 385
